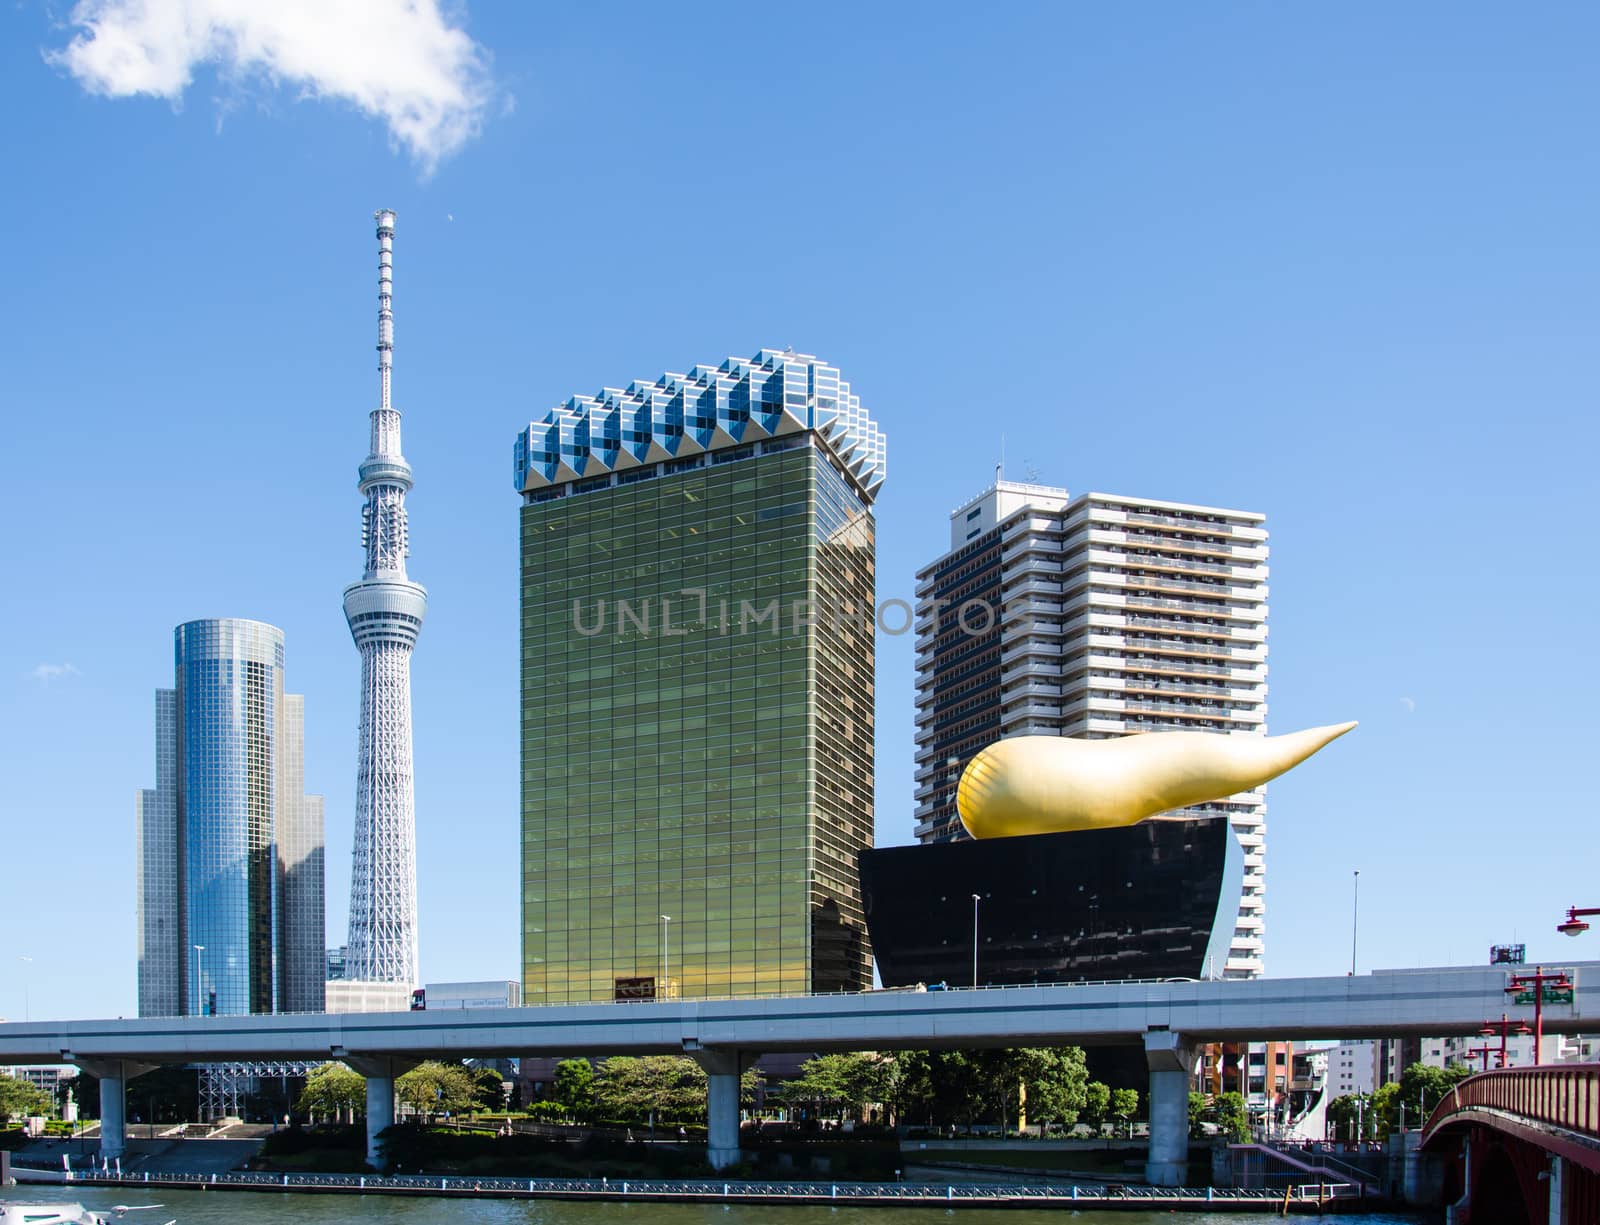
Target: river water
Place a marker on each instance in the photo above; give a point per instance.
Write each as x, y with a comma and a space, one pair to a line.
270, 1208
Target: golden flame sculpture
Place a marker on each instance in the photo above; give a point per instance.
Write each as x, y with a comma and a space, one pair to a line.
1052, 784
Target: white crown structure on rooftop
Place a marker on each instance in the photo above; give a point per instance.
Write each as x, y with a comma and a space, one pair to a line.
679, 416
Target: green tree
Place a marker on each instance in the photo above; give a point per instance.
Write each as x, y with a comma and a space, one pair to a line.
668, 1088
332, 1091
1382, 1113
435, 1088
21, 1098
1233, 1118
1096, 1104
488, 1089
749, 1087
844, 1084
1124, 1106
1198, 1109
574, 1088
941, 1087
1055, 1079
967, 1087
1358, 1116
1421, 1088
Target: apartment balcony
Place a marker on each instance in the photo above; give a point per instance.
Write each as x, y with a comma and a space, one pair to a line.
1236, 553
1030, 565
1105, 557
1037, 687
1234, 648
1146, 601
1177, 625
1227, 527
1251, 593
1046, 712
1193, 709
1134, 685
1026, 647
1182, 667
1172, 646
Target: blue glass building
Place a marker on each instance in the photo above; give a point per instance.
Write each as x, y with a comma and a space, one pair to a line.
230, 847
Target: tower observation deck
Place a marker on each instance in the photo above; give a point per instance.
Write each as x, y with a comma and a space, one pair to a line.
384, 610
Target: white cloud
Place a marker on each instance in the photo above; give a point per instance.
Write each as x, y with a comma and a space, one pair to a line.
401, 61
45, 673
1410, 704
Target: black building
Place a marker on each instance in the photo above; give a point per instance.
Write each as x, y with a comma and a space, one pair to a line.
1153, 900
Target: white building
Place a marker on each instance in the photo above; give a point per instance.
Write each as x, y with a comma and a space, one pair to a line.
1445, 1052
1351, 1068
1115, 615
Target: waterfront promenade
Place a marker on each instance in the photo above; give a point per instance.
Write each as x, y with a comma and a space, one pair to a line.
1308, 1198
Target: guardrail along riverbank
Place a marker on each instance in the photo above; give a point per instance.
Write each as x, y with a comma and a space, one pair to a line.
1304, 1199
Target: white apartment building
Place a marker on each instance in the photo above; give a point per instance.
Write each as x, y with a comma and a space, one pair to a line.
1110, 615
1351, 1068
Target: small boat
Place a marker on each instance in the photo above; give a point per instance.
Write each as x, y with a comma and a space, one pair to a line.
68, 1214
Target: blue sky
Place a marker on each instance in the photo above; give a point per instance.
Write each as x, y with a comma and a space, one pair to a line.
1336, 263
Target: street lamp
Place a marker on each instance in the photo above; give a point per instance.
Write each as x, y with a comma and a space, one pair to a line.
974, 939
666, 960
199, 986
1575, 926
27, 988
1557, 980
1505, 1025
1355, 913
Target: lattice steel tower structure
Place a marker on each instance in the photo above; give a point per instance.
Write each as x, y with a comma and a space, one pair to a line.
385, 611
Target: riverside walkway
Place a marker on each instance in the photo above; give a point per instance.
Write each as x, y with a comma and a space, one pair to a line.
1307, 1198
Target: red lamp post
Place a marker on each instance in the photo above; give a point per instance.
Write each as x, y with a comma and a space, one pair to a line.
1538, 980
1483, 1052
1575, 926
1505, 1025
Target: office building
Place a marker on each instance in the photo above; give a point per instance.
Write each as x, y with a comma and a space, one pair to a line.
1154, 900
384, 611
1094, 616
229, 846
697, 569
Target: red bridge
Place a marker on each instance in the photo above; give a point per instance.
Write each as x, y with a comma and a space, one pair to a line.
1521, 1146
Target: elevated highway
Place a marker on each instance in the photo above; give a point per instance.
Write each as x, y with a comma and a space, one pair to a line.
1167, 1018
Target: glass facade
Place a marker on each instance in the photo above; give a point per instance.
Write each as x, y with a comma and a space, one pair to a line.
697, 725
1153, 900
231, 895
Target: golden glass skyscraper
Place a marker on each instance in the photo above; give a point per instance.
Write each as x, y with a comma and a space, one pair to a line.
697, 685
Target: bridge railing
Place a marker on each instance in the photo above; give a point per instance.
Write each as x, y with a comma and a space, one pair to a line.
1560, 1095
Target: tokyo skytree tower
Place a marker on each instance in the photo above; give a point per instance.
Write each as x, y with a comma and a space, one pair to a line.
385, 611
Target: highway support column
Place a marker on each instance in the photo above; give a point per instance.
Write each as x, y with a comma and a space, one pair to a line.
381, 1072
1171, 1062
1558, 1197
723, 1069
113, 1075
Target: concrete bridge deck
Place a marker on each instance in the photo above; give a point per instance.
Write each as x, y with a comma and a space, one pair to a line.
724, 1036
